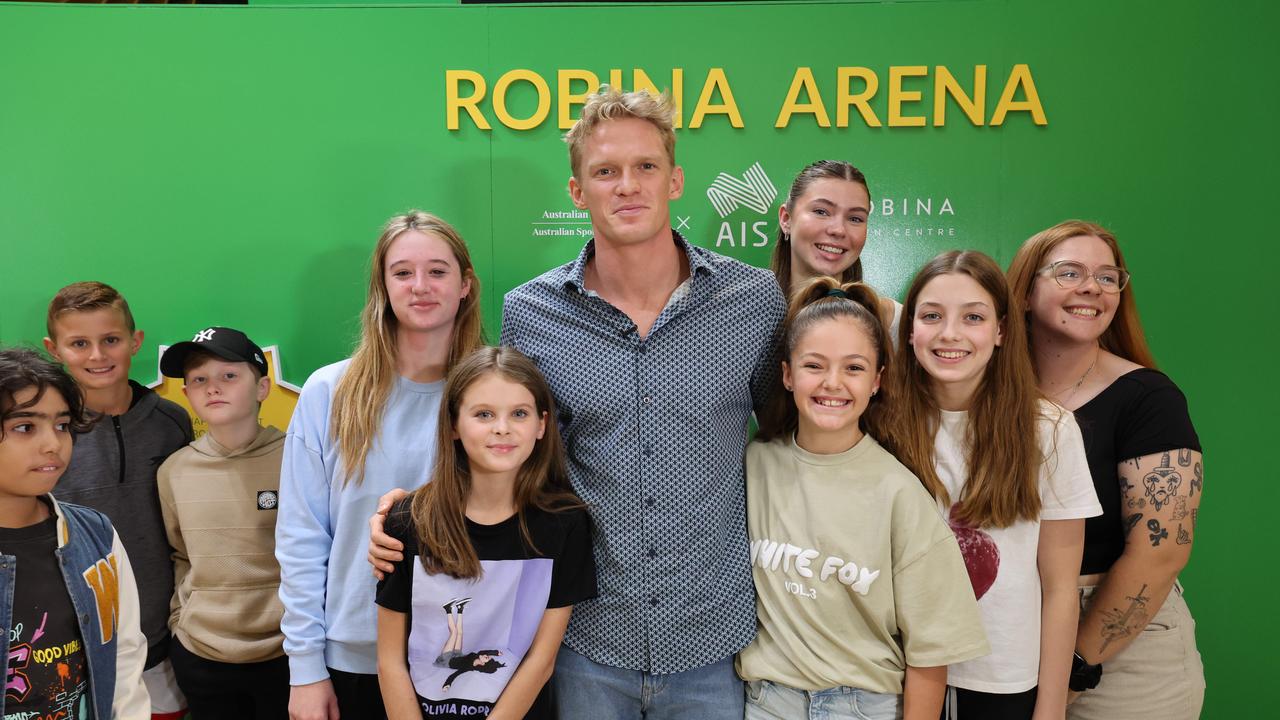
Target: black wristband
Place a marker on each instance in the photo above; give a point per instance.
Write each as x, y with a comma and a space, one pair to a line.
1083, 675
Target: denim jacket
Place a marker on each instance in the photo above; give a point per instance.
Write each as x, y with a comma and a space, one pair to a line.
104, 594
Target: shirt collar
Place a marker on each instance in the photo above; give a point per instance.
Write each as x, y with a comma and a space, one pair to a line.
573, 278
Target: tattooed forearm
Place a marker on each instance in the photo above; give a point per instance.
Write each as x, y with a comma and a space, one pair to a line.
1117, 623
1157, 533
1162, 483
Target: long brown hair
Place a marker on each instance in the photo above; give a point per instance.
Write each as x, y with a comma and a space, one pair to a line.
1004, 455
439, 507
822, 298
1124, 336
366, 384
780, 263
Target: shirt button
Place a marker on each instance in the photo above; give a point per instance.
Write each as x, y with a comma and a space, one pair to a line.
648, 399
648, 449
650, 502
653, 553
653, 602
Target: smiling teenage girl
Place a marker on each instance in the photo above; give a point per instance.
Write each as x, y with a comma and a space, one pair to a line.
362, 427
860, 587
1008, 469
822, 229
1091, 355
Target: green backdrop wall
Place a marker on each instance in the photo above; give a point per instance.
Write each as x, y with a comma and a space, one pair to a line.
232, 165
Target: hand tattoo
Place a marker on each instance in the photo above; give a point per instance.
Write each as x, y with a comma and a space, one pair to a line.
1184, 537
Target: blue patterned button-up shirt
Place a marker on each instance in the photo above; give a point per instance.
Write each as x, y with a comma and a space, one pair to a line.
655, 430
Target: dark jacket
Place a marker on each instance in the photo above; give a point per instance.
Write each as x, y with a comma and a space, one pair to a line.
113, 470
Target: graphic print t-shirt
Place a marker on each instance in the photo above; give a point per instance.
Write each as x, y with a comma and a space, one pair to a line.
856, 573
467, 637
47, 676
1002, 562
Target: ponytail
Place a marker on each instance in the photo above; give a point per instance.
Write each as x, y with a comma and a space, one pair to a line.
822, 298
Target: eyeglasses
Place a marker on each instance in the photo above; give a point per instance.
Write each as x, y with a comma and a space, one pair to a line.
1070, 274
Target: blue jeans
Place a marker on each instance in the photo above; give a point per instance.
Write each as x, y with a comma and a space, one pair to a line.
767, 701
587, 689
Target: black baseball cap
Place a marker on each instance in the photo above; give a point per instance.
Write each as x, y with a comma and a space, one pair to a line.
224, 342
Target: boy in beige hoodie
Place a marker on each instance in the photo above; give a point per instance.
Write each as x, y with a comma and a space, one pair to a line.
218, 496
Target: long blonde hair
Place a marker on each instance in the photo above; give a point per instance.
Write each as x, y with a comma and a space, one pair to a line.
439, 507
362, 392
1002, 447
1124, 336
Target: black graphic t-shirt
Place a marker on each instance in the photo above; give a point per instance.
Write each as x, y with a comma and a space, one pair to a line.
47, 676
467, 637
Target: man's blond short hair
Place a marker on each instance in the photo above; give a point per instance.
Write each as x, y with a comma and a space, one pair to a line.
608, 103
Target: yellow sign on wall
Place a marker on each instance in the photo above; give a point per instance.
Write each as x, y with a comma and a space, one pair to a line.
276, 409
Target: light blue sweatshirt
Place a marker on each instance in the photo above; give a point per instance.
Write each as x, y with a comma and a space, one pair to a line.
322, 529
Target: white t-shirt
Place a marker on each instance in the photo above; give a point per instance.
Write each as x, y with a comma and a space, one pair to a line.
1002, 561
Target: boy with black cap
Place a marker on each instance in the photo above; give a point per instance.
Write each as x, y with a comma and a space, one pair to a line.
218, 496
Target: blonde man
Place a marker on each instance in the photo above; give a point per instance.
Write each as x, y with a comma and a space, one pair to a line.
657, 351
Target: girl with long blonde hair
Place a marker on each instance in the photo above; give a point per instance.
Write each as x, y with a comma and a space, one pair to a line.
1136, 650
1008, 470
497, 552
361, 427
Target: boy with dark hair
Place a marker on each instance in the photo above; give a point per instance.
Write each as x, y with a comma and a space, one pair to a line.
113, 467
68, 601
218, 496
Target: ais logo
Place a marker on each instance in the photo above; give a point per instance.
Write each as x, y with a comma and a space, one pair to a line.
753, 191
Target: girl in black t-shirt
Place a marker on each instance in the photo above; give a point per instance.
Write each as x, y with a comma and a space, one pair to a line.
499, 534
1091, 356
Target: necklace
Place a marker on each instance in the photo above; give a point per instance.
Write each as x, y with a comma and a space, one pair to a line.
1080, 382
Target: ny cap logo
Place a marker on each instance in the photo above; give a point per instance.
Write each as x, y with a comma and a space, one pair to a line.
204, 335
754, 190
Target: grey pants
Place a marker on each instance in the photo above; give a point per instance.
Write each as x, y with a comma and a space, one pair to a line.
1158, 676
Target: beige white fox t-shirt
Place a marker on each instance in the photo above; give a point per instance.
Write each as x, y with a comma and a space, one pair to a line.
856, 573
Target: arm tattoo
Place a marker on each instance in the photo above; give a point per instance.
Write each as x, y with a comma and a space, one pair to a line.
1117, 623
1193, 519
1184, 457
1197, 480
1184, 537
1179, 508
1157, 533
1162, 483
1130, 521
1130, 502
